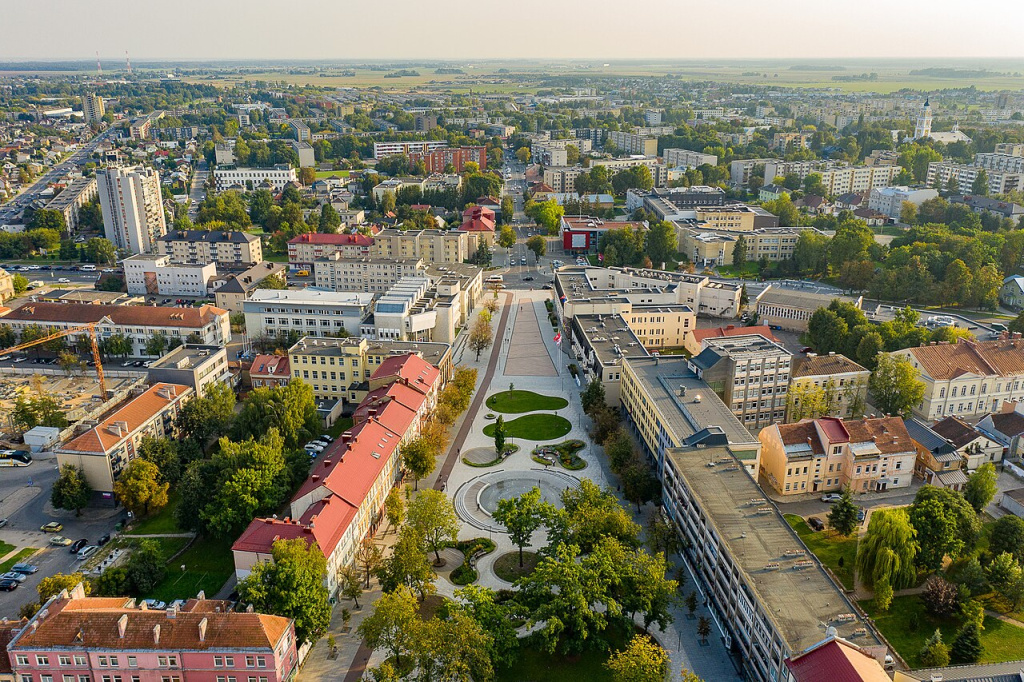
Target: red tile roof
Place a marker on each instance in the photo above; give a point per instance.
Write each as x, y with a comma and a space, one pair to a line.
834, 429
416, 371
836, 660
336, 239
731, 330
273, 366
478, 219
106, 435
124, 315
1003, 357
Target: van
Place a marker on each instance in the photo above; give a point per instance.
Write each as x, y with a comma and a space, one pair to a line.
998, 327
87, 552
89, 268
302, 273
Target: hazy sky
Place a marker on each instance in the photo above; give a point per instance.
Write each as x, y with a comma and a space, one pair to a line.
601, 29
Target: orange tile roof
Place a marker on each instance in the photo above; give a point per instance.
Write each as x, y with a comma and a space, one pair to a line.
824, 365
801, 432
124, 315
889, 434
731, 330
1003, 357
106, 435
417, 372
275, 366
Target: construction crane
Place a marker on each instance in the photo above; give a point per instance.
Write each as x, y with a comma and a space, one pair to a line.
90, 328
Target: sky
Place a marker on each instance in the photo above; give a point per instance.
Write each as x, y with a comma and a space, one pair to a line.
545, 29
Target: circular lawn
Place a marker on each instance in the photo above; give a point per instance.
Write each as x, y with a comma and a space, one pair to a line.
534, 427
514, 402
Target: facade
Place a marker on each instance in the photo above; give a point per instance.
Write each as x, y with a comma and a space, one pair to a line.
963, 176
1005, 426
749, 373
889, 200
375, 275
93, 108
837, 178
305, 249
227, 249
133, 210
74, 637
938, 463
705, 246
782, 141
830, 454
80, 192
301, 130
207, 325
277, 177
437, 160
986, 205
195, 366
1011, 293
974, 447
233, 290
600, 355
693, 340
684, 158
6, 286
304, 150
382, 149
148, 274
1007, 163
582, 234
269, 371
104, 450
791, 309
431, 246
844, 384
630, 143
969, 378
306, 312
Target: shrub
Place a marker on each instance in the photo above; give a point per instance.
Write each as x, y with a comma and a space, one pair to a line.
464, 575
940, 597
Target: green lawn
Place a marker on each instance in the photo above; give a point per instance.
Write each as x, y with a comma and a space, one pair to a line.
534, 427
5, 548
17, 558
340, 426
320, 175
907, 625
161, 522
524, 401
535, 665
829, 548
208, 565
507, 566
746, 271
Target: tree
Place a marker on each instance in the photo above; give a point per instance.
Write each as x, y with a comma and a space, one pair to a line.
42, 411
156, 344
498, 618
118, 344
53, 584
826, 331
139, 487
887, 551
689, 676
980, 184
981, 486
350, 584
369, 556
394, 624
523, 155
843, 515
661, 241
592, 397
538, 245
1007, 536
71, 490
408, 565
163, 454
945, 524
935, 653
521, 516
940, 597
145, 568
895, 386
100, 251
394, 507
589, 514
506, 237
291, 586
508, 208
739, 252
69, 361
481, 336
908, 213
433, 517
639, 485
291, 409
20, 283
387, 202
47, 219
703, 628
966, 647
307, 176
643, 660
418, 459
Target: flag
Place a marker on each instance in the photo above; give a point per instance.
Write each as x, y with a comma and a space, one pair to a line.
600, 257
563, 299
558, 339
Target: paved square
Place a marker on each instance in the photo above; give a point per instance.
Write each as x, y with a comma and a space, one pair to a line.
527, 353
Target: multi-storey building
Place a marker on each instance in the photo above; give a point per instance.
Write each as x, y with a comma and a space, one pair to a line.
792, 309
963, 176
890, 200
562, 178
741, 170
830, 454
227, 249
104, 450
382, 149
782, 141
306, 312
601, 342
307, 157
195, 366
843, 384
705, 247
148, 274
1011, 148
1006, 163
980, 204
74, 637
438, 160
204, 325
938, 463
431, 246
375, 275
250, 178
80, 192
749, 373
629, 143
836, 179
676, 158
93, 108
269, 371
969, 378
133, 210
232, 290
300, 129
305, 249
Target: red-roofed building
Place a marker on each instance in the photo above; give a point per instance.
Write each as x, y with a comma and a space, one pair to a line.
269, 371
694, 340
580, 234
306, 248
836, 660
479, 220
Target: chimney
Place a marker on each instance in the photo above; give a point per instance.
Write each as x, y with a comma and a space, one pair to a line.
202, 629
122, 625
156, 633
172, 611
202, 595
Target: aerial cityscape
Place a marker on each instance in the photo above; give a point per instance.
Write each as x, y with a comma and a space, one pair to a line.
554, 356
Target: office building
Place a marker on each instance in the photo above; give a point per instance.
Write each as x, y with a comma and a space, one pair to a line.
968, 378
132, 204
153, 274
962, 176
439, 160
431, 246
105, 449
74, 637
230, 291
93, 108
630, 143
704, 246
582, 234
374, 275
791, 309
306, 312
80, 192
842, 382
304, 150
226, 249
684, 158
749, 373
830, 454
382, 149
192, 365
693, 340
890, 200
600, 343
305, 249
248, 179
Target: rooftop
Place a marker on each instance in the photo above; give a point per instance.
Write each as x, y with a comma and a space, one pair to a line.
187, 356
836, 660
432, 351
923, 435
955, 430
800, 299
610, 338
311, 296
943, 361
731, 330
823, 365
123, 315
270, 366
334, 239
209, 236
250, 279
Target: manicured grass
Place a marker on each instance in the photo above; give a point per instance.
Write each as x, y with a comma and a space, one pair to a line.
339, 427
748, 270
908, 625
507, 565
161, 522
534, 427
534, 665
17, 558
208, 565
5, 548
829, 547
524, 401
320, 175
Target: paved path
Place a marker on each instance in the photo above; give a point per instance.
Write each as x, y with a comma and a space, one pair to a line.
528, 355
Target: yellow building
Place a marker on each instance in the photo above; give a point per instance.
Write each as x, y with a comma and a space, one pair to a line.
432, 246
842, 382
660, 326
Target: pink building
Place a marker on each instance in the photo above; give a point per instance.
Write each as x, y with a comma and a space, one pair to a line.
75, 638
306, 248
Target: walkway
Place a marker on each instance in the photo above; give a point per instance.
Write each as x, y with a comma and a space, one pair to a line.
528, 355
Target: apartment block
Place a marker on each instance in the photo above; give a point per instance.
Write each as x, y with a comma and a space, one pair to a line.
300, 130
431, 246
224, 154
562, 178
382, 149
74, 637
80, 192
837, 180
93, 108
843, 382
307, 157
306, 312
890, 200
782, 141
149, 274
741, 170
629, 143
749, 373
104, 450
438, 160
227, 249
375, 275
684, 158
251, 178
1009, 148
601, 342
830, 454
1005, 163
132, 205
192, 365
963, 175
969, 378
305, 249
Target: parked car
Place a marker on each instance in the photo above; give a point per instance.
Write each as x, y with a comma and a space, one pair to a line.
527, 279
77, 545
60, 541
861, 513
155, 604
104, 539
326, 438
831, 497
63, 280
3, 522
24, 568
14, 575
52, 527
8, 585
815, 523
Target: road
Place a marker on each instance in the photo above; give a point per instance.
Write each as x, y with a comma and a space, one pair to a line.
197, 191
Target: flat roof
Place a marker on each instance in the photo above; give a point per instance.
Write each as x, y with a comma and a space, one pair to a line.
431, 351
610, 338
746, 346
188, 356
800, 299
802, 601
311, 296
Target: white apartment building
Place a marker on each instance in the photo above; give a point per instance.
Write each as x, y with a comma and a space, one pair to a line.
307, 158
741, 170
278, 177
382, 149
302, 132
308, 312
1006, 163
999, 182
836, 179
563, 178
224, 154
234, 249
80, 192
92, 107
432, 246
676, 158
149, 274
133, 210
889, 200
375, 275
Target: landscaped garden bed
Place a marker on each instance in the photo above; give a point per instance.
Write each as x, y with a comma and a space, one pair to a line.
564, 453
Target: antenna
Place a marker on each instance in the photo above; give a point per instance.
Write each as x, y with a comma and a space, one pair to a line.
128, 62
99, 66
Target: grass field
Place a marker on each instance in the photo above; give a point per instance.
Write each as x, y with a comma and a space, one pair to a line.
17, 558
830, 549
534, 665
161, 522
5, 548
534, 427
339, 427
524, 401
507, 566
208, 565
327, 174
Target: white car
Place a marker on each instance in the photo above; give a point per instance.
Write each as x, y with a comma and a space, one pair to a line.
63, 280
18, 577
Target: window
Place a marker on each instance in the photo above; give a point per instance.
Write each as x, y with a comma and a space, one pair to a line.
46, 678
229, 662
113, 661
64, 660
79, 660
26, 678
68, 678
218, 661
133, 662
42, 660
250, 662
22, 660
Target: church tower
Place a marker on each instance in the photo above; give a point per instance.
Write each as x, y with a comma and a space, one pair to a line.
924, 122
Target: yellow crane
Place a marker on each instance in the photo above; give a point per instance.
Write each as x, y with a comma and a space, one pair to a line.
90, 328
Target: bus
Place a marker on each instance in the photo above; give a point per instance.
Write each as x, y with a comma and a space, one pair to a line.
495, 279
14, 458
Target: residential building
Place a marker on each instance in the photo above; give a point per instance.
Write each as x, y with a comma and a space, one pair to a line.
270, 371
192, 365
630, 143
791, 309
304, 150
6, 286
685, 158
438, 160
741, 170
301, 130
562, 178
1007, 163
830, 454
340, 369
652, 117
844, 385
771, 192
226, 249
132, 205
1011, 148
224, 154
251, 178
431, 246
974, 447
80, 192
152, 274
984, 204
1005, 426
749, 373
938, 463
231, 291
382, 149
1011, 293
962, 176
837, 659
375, 275
88, 638
969, 378
835, 178
206, 324
693, 340
425, 123
799, 140
105, 449
93, 108
890, 200
306, 312
480, 223
705, 246
305, 249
